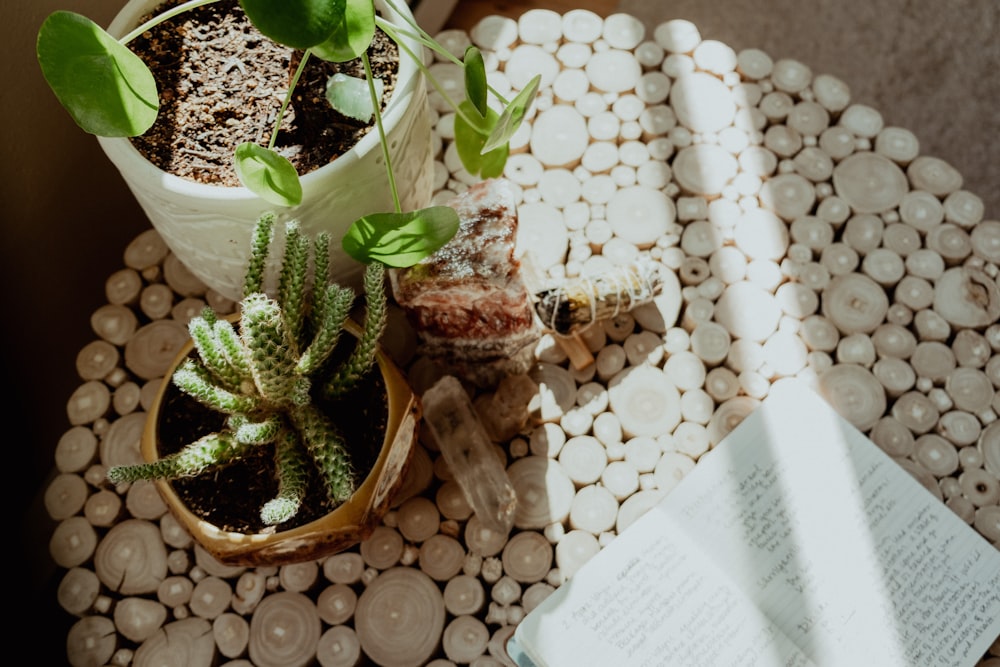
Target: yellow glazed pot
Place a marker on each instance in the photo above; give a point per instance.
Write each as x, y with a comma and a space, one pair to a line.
348, 524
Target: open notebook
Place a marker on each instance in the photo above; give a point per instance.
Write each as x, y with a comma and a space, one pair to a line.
795, 541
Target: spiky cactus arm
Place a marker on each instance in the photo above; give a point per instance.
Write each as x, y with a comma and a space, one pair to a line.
212, 450
272, 359
256, 432
212, 352
209, 315
253, 280
326, 447
195, 381
235, 353
362, 358
321, 270
292, 282
300, 394
329, 321
292, 469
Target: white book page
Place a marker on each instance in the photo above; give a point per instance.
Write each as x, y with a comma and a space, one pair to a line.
650, 599
850, 556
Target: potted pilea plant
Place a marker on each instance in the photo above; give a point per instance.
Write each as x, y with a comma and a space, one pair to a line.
111, 92
284, 390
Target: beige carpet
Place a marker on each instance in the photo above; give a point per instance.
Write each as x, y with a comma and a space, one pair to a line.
930, 66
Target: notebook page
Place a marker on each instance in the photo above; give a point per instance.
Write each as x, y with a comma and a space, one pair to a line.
850, 556
650, 599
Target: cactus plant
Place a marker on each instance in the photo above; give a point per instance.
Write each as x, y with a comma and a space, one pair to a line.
271, 373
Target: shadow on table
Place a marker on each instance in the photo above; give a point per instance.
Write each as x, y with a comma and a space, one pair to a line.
925, 66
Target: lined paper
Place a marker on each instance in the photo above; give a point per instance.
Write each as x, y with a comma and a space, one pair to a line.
838, 545
813, 536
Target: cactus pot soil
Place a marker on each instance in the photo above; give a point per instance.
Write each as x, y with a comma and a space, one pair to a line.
221, 507
231, 497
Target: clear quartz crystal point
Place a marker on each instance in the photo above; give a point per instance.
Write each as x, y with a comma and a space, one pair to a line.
462, 439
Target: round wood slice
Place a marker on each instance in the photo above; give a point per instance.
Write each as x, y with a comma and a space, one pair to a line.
91, 641
284, 630
400, 618
182, 643
131, 558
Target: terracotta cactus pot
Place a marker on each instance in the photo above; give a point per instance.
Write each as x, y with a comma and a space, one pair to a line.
347, 525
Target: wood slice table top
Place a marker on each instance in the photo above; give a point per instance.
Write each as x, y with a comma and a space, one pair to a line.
806, 239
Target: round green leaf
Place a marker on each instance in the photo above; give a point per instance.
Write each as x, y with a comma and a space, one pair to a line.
268, 175
351, 96
352, 35
470, 140
475, 79
107, 89
400, 239
300, 24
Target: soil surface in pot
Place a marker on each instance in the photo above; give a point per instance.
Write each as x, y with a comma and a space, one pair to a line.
231, 497
222, 83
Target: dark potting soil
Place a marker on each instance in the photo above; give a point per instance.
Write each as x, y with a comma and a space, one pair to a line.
230, 497
222, 83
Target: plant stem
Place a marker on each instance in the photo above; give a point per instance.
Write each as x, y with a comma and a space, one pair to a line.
389, 29
421, 35
383, 142
160, 18
288, 98
427, 41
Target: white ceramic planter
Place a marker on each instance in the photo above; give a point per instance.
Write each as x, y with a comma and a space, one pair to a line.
208, 227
